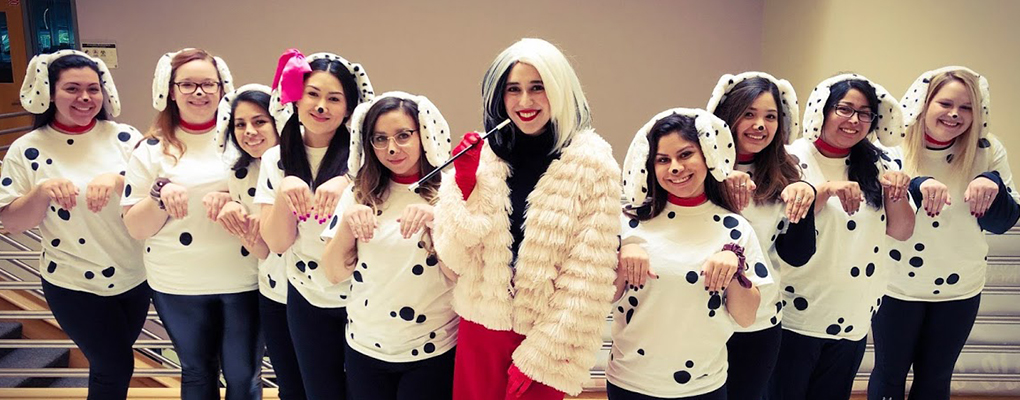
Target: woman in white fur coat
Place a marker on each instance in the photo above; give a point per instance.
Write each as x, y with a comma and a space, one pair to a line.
533, 304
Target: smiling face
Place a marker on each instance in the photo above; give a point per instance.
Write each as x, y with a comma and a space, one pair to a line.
198, 107
950, 111
254, 128
845, 132
77, 96
525, 99
756, 126
394, 127
680, 167
322, 107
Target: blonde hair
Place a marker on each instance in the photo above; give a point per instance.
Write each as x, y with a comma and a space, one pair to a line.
965, 146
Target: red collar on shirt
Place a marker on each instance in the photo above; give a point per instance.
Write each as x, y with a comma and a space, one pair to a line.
937, 144
825, 147
688, 201
198, 127
407, 179
73, 129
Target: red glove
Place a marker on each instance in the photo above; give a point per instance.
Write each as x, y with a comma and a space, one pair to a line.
467, 164
517, 383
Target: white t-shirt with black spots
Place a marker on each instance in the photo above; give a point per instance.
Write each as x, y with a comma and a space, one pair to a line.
82, 250
194, 255
302, 259
834, 295
945, 258
768, 222
669, 339
399, 309
272, 274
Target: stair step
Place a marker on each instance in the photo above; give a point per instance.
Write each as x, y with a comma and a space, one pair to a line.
9, 330
32, 358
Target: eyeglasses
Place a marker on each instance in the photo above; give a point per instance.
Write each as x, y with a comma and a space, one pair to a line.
403, 138
190, 87
847, 112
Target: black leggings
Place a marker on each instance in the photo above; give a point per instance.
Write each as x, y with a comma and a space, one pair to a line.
752, 357
929, 335
104, 328
617, 393
273, 318
210, 331
811, 368
428, 379
318, 335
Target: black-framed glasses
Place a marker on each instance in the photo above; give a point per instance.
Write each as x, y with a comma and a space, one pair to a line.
847, 112
190, 87
402, 138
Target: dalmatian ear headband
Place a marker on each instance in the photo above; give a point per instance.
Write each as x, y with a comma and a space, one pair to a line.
890, 126
35, 91
789, 109
913, 101
230, 151
161, 79
435, 132
713, 136
288, 82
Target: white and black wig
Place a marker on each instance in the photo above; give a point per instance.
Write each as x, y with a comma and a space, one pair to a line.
569, 112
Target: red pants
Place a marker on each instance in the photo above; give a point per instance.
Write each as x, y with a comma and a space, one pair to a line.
483, 358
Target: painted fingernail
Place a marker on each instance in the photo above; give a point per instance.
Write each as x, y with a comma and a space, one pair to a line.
294, 212
316, 216
642, 287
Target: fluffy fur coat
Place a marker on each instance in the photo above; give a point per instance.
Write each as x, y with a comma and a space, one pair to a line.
561, 292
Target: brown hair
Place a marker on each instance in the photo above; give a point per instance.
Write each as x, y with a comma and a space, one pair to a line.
165, 125
372, 183
774, 168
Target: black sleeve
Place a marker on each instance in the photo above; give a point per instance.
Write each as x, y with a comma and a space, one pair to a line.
1004, 211
915, 190
797, 245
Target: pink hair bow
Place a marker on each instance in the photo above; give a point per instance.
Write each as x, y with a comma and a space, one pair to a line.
290, 75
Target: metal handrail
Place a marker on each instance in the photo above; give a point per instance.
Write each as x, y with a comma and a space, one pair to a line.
16, 130
69, 344
20, 255
36, 288
84, 373
14, 114
44, 314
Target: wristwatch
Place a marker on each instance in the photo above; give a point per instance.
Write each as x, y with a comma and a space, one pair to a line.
157, 188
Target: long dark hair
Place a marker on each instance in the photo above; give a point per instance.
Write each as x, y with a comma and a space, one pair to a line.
372, 182
259, 99
55, 68
292, 147
774, 168
864, 155
657, 196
